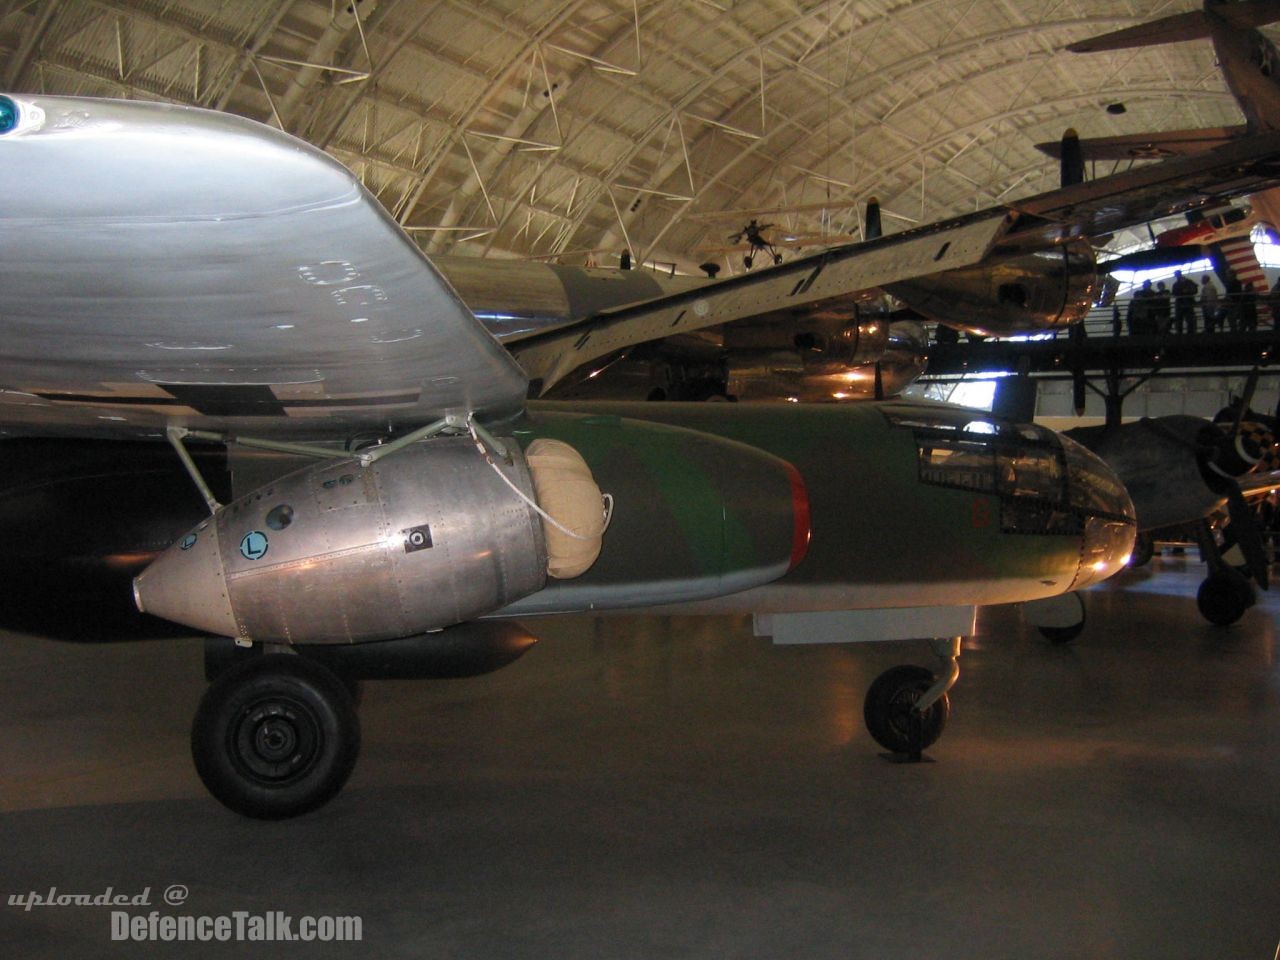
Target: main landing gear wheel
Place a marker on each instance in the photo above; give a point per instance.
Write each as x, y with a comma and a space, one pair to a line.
1224, 597
275, 736
891, 715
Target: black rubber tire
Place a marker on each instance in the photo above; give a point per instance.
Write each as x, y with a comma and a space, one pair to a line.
1062, 634
1224, 597
275, 737
1144, 548
1067, 634
354, 690
888, 705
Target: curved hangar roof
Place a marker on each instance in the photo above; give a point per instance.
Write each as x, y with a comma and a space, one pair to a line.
578, 128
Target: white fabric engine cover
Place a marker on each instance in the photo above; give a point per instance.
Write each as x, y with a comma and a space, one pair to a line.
565, 489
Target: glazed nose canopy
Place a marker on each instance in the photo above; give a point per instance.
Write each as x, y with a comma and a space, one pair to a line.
1110, 526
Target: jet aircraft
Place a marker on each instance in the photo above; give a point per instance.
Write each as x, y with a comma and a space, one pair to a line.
238, 402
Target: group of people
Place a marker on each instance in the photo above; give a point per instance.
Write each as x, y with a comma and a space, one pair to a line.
1159, 309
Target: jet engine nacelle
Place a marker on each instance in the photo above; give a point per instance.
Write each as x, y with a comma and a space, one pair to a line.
1034, 291
344, 552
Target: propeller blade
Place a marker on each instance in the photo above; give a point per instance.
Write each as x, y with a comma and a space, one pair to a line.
1071, 166
1248, 535
873, 230
1250, 386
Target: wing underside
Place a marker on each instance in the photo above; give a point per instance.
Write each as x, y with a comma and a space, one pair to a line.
1150, 146
806, 283
166, 265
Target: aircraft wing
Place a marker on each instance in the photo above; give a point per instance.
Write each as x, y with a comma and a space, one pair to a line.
1191, 25
168, 265
834, 275
1150, 146
1148, 192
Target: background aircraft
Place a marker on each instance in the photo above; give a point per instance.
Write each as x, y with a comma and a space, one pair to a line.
1248, 63
1183, 470
352, 463
1025, 266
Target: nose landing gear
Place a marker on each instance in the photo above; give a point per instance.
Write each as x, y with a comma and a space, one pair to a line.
907, 707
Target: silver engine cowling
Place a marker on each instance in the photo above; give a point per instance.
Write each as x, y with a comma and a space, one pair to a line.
840, 367
343, 552
1043, 290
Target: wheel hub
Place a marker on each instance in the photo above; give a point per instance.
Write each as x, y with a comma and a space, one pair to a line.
902, 707
276, 740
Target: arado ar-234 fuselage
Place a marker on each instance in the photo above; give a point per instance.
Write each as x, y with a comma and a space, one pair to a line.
228, 376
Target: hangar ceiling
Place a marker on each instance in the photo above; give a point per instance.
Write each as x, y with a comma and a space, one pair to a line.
577, 128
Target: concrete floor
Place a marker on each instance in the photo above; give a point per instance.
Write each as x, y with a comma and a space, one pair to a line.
671, 787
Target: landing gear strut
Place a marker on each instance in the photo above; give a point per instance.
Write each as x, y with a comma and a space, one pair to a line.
907, 707
275, 736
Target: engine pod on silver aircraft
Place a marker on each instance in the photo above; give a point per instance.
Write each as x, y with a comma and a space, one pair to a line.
343, 553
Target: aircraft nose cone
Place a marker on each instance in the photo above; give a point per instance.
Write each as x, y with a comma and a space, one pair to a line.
187, 584
1110, 527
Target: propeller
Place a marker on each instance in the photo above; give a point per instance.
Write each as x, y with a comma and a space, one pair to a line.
873, 230
1234, 453
1225, 453
1071, 164
753, 232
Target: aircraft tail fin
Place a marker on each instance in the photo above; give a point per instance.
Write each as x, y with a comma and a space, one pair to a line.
1147, 146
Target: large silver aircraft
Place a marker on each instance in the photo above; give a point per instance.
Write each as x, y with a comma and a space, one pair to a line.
239, 402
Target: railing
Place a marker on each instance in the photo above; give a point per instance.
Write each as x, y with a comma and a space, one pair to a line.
1100, 322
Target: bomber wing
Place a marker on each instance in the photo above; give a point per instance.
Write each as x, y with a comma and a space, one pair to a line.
167, 265
1045, 221
1150, 146
806, 282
